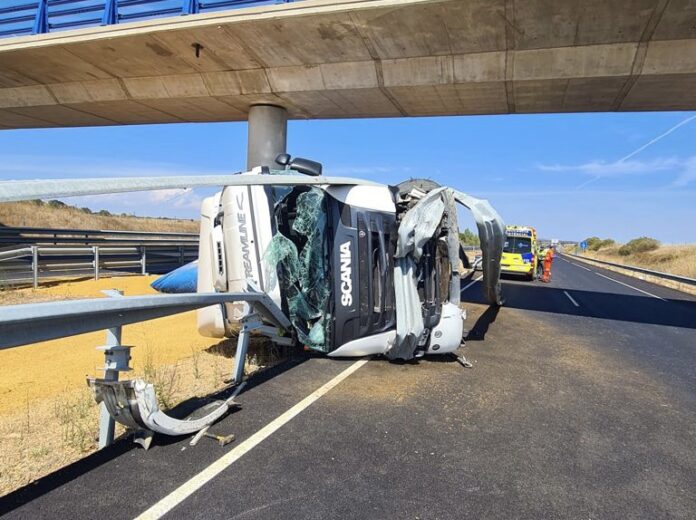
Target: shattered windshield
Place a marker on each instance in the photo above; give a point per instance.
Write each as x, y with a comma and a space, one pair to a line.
298, 261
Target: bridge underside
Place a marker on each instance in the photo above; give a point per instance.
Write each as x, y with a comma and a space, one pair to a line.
358, 58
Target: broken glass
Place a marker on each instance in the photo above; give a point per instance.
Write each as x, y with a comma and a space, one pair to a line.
303, 274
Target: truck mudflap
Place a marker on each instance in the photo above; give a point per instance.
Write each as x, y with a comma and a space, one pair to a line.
133, 403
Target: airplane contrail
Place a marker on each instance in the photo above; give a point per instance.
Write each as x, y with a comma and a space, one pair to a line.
653, 141
641, 148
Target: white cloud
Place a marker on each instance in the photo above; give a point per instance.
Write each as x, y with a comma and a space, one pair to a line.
616, 168
681, 171
688, 173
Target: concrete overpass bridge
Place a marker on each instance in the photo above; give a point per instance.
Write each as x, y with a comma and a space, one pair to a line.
357, 58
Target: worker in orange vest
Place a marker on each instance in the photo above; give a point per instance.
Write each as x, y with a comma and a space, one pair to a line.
548, 260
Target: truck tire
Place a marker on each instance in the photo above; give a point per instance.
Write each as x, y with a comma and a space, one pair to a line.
425, 185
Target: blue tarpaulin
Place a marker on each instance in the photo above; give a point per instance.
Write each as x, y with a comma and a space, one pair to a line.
181, 280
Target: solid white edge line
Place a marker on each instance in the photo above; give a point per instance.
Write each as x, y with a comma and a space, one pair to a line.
472, 283
571, 299
630, 286
580, 266
189, 487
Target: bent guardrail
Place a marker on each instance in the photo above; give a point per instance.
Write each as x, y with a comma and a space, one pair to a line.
133, 402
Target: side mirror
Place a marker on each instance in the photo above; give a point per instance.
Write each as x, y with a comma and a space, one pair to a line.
283, 159
306, 166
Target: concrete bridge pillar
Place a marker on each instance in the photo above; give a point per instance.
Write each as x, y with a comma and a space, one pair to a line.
268, 125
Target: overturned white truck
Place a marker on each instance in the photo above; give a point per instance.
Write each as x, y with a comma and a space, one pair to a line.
357, 269
344, 266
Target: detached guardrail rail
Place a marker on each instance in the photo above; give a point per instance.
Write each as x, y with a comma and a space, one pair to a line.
642, 270
133, 403
33, 254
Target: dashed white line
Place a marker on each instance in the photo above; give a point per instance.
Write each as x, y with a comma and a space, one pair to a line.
472, 283
580, 266
194, 484
630, 286
571, 299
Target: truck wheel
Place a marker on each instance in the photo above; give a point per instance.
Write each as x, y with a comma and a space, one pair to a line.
425, 185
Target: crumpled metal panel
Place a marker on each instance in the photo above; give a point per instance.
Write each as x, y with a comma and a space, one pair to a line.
491, 230
416, 229
133, 403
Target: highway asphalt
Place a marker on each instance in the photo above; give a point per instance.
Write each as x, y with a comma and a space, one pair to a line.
581, 404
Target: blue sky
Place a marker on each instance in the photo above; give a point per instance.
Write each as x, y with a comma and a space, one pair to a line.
570, 175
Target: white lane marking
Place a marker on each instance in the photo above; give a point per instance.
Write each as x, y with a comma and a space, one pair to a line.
472, 283
634, 288
195, 483
571, 299
580, 266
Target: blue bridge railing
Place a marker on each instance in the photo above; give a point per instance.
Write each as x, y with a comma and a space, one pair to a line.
23, 17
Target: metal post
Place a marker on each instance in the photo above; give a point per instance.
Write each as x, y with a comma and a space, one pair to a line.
95, 250
143, 261
268, 126
181, 255
35, 265
116, 359
249, 323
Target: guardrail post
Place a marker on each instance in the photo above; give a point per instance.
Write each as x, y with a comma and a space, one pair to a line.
95, 262
143, 261
35, 265
116, 359
181, 255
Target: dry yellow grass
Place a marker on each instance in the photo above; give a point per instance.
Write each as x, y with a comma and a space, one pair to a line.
44, 369
47, 417
30, 214
674, 259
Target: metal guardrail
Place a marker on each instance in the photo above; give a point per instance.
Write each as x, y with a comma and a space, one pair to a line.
29, 255
30, 265
658, 274
32, 323
16, 236
23, 17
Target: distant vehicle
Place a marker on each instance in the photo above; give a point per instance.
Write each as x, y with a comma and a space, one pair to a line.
520, 252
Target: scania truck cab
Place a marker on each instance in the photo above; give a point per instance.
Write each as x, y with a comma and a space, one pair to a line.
358, 269
520, 251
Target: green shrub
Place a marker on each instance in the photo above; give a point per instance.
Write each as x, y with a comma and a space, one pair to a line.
599, 244
468, 238
56, 204
592, 242
86, 210
639, 245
